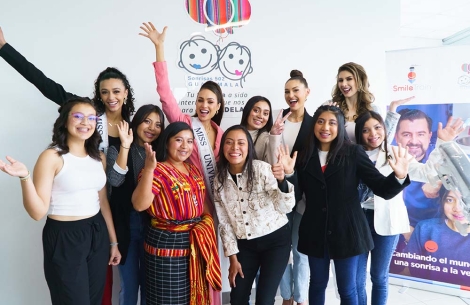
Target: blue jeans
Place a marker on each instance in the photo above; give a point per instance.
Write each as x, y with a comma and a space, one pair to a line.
132, 273
294, 282
345, 278
381, 256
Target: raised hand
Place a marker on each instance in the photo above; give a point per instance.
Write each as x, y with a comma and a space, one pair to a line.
15, 168
150, 159
2, 38
278, 126
451, 131
394, 104
402, 160
125, 134
151, 33
283, 157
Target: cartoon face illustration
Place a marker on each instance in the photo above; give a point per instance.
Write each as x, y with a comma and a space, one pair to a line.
235, 62
198, 55
464, 80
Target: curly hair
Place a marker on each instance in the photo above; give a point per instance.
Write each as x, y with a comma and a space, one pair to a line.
223, 164
60, 132
128, 108
364, 97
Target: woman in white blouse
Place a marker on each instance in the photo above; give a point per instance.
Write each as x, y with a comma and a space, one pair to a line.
251, 200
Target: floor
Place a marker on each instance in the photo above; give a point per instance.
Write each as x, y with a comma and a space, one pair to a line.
400, 296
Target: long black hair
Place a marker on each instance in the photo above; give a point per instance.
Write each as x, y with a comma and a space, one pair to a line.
128, 108
361, 121
170, 131
336, 145
140, 116
223, 164
215, 88
247, 110
60, 132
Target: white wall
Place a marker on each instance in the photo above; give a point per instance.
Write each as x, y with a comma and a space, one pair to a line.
72, 41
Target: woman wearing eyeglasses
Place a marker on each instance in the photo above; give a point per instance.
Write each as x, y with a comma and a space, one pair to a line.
69, 186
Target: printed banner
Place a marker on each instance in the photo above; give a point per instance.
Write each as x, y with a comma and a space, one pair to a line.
434, 252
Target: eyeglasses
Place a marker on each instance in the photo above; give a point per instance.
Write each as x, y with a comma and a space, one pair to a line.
80, 117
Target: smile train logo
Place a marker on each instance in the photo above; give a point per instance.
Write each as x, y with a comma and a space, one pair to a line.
412, 75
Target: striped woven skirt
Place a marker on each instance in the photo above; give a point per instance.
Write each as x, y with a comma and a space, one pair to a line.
167, 267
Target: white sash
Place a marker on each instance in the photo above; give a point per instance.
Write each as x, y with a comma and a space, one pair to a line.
102, 127
206, 155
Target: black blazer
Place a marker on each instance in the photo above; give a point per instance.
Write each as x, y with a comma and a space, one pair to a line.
334, 220
49, 88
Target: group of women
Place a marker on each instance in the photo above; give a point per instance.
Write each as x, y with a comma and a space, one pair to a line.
294, 183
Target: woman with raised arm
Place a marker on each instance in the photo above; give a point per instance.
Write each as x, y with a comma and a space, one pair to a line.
205, 123
124, 165
113, 97
334, 226
69, 186
387, 219
180, 245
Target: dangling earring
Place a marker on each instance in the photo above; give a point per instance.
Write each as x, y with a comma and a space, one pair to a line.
217, 112
125, 101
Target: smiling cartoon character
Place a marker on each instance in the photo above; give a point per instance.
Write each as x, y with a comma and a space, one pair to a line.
198, 55
464, 80
235, 62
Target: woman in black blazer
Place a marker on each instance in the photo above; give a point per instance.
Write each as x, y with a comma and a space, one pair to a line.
333, 225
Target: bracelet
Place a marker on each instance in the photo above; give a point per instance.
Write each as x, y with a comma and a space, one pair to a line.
113, 244
25, 178
124, 147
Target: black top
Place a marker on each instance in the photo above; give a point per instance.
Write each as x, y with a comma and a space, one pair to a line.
334, 220
49, 88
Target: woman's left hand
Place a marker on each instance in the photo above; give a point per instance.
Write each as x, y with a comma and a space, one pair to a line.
115, 256
402, 161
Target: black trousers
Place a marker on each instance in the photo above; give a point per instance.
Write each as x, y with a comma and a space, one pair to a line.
269, 254
76, 255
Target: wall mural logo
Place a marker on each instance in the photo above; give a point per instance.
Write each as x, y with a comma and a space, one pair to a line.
200, 56
411, 86
220, 16
412, 75
464, 80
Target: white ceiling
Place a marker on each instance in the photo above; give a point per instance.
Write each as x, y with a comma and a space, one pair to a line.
434, 19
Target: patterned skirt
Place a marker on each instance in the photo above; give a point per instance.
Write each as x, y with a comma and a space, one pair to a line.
167, 267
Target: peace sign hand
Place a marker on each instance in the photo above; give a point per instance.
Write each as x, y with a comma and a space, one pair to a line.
278, 126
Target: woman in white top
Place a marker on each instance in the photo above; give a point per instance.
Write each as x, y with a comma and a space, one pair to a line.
252, 199
68, 186
387, 218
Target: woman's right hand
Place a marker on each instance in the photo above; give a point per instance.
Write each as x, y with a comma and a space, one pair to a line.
2, 39
150, 158
125, 134
15, 168
234, 269
151, 33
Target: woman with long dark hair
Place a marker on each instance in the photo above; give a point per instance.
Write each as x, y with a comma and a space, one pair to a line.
334, 225
124, 163
69, 186
180, 245
252, 199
